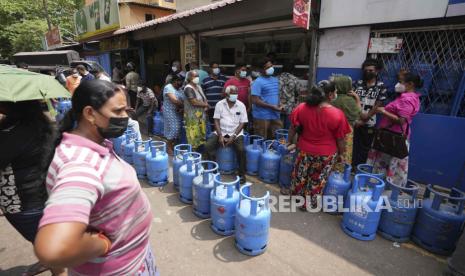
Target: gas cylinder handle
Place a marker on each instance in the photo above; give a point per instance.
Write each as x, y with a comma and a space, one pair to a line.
347, 171
378, 188
179, 149
158, 144
137, 145
147, 144
154, 151
216, 180
245, 194
437, 199
207, 162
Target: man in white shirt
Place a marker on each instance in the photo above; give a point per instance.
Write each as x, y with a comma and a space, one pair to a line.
230, 117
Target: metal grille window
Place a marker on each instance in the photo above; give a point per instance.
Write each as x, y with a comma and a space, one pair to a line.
438, 56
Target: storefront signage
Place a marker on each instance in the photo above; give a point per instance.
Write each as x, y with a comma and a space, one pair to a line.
301, 13
99, 17
114, 43
385, 45
53, 38
190, 49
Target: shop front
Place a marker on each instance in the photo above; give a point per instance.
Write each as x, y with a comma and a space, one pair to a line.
227, 32
250, 44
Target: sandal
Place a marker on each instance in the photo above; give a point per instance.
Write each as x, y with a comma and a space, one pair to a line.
285, 191
35, 269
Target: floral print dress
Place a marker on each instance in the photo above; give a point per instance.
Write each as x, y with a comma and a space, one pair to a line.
195, 117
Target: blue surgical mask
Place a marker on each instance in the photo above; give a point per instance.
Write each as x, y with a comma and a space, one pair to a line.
243, 74
216, 71
233, 97
270, 71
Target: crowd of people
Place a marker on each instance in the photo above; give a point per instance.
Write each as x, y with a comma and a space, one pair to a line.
82, 206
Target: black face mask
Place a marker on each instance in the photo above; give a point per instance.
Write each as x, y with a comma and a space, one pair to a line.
369, 75
116, 127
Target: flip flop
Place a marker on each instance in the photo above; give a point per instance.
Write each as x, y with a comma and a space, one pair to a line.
35, 269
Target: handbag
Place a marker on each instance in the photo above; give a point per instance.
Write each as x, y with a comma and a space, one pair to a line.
392, 143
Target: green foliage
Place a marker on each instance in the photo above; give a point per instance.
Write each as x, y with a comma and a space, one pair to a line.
23, 22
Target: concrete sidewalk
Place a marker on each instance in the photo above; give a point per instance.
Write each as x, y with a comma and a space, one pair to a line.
300, 244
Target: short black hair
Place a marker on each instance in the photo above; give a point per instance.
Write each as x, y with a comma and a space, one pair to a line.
415, 79
373, 62
81, 67
213, 63
240, 65
176, 78
265, 61
288, 67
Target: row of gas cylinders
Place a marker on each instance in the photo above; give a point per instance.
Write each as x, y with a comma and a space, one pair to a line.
270, 160
231, 208
435, 223
148, 157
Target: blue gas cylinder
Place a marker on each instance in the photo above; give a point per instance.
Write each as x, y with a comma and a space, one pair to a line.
63, 106
202, 186
253, 150
286, 166
117, 144
397, 225
337, 186
364, 202
281, 136
178, 161
226, 158
252, 222
187, 173
157, 164
440, 222
223, 202
157, 124
141, 149
269, 163
128, 148
368, 169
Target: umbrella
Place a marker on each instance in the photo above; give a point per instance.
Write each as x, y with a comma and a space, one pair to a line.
22, 85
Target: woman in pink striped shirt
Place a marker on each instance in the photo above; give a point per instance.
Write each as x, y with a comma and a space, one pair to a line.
97, 219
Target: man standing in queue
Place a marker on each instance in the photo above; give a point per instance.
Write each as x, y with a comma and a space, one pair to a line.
265, 98
230, 117
372, 93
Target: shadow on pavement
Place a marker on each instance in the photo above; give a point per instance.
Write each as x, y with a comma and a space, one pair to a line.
378, 257
14, 271
226, 252
202, 231
186, 214
173, 200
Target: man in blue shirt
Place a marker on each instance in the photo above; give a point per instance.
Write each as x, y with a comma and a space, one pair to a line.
265, 98
84, 73
212, 87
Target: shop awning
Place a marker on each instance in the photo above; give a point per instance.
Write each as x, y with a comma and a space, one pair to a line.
176, 16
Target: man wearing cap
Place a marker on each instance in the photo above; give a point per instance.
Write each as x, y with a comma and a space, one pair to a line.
230, 117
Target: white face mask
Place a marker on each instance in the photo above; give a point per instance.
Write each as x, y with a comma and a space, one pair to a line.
196, 80
174, 68
216, 71
399, 88
270, 71
243, 74
233, 97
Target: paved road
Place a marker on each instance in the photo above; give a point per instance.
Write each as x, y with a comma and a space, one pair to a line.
300, 244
